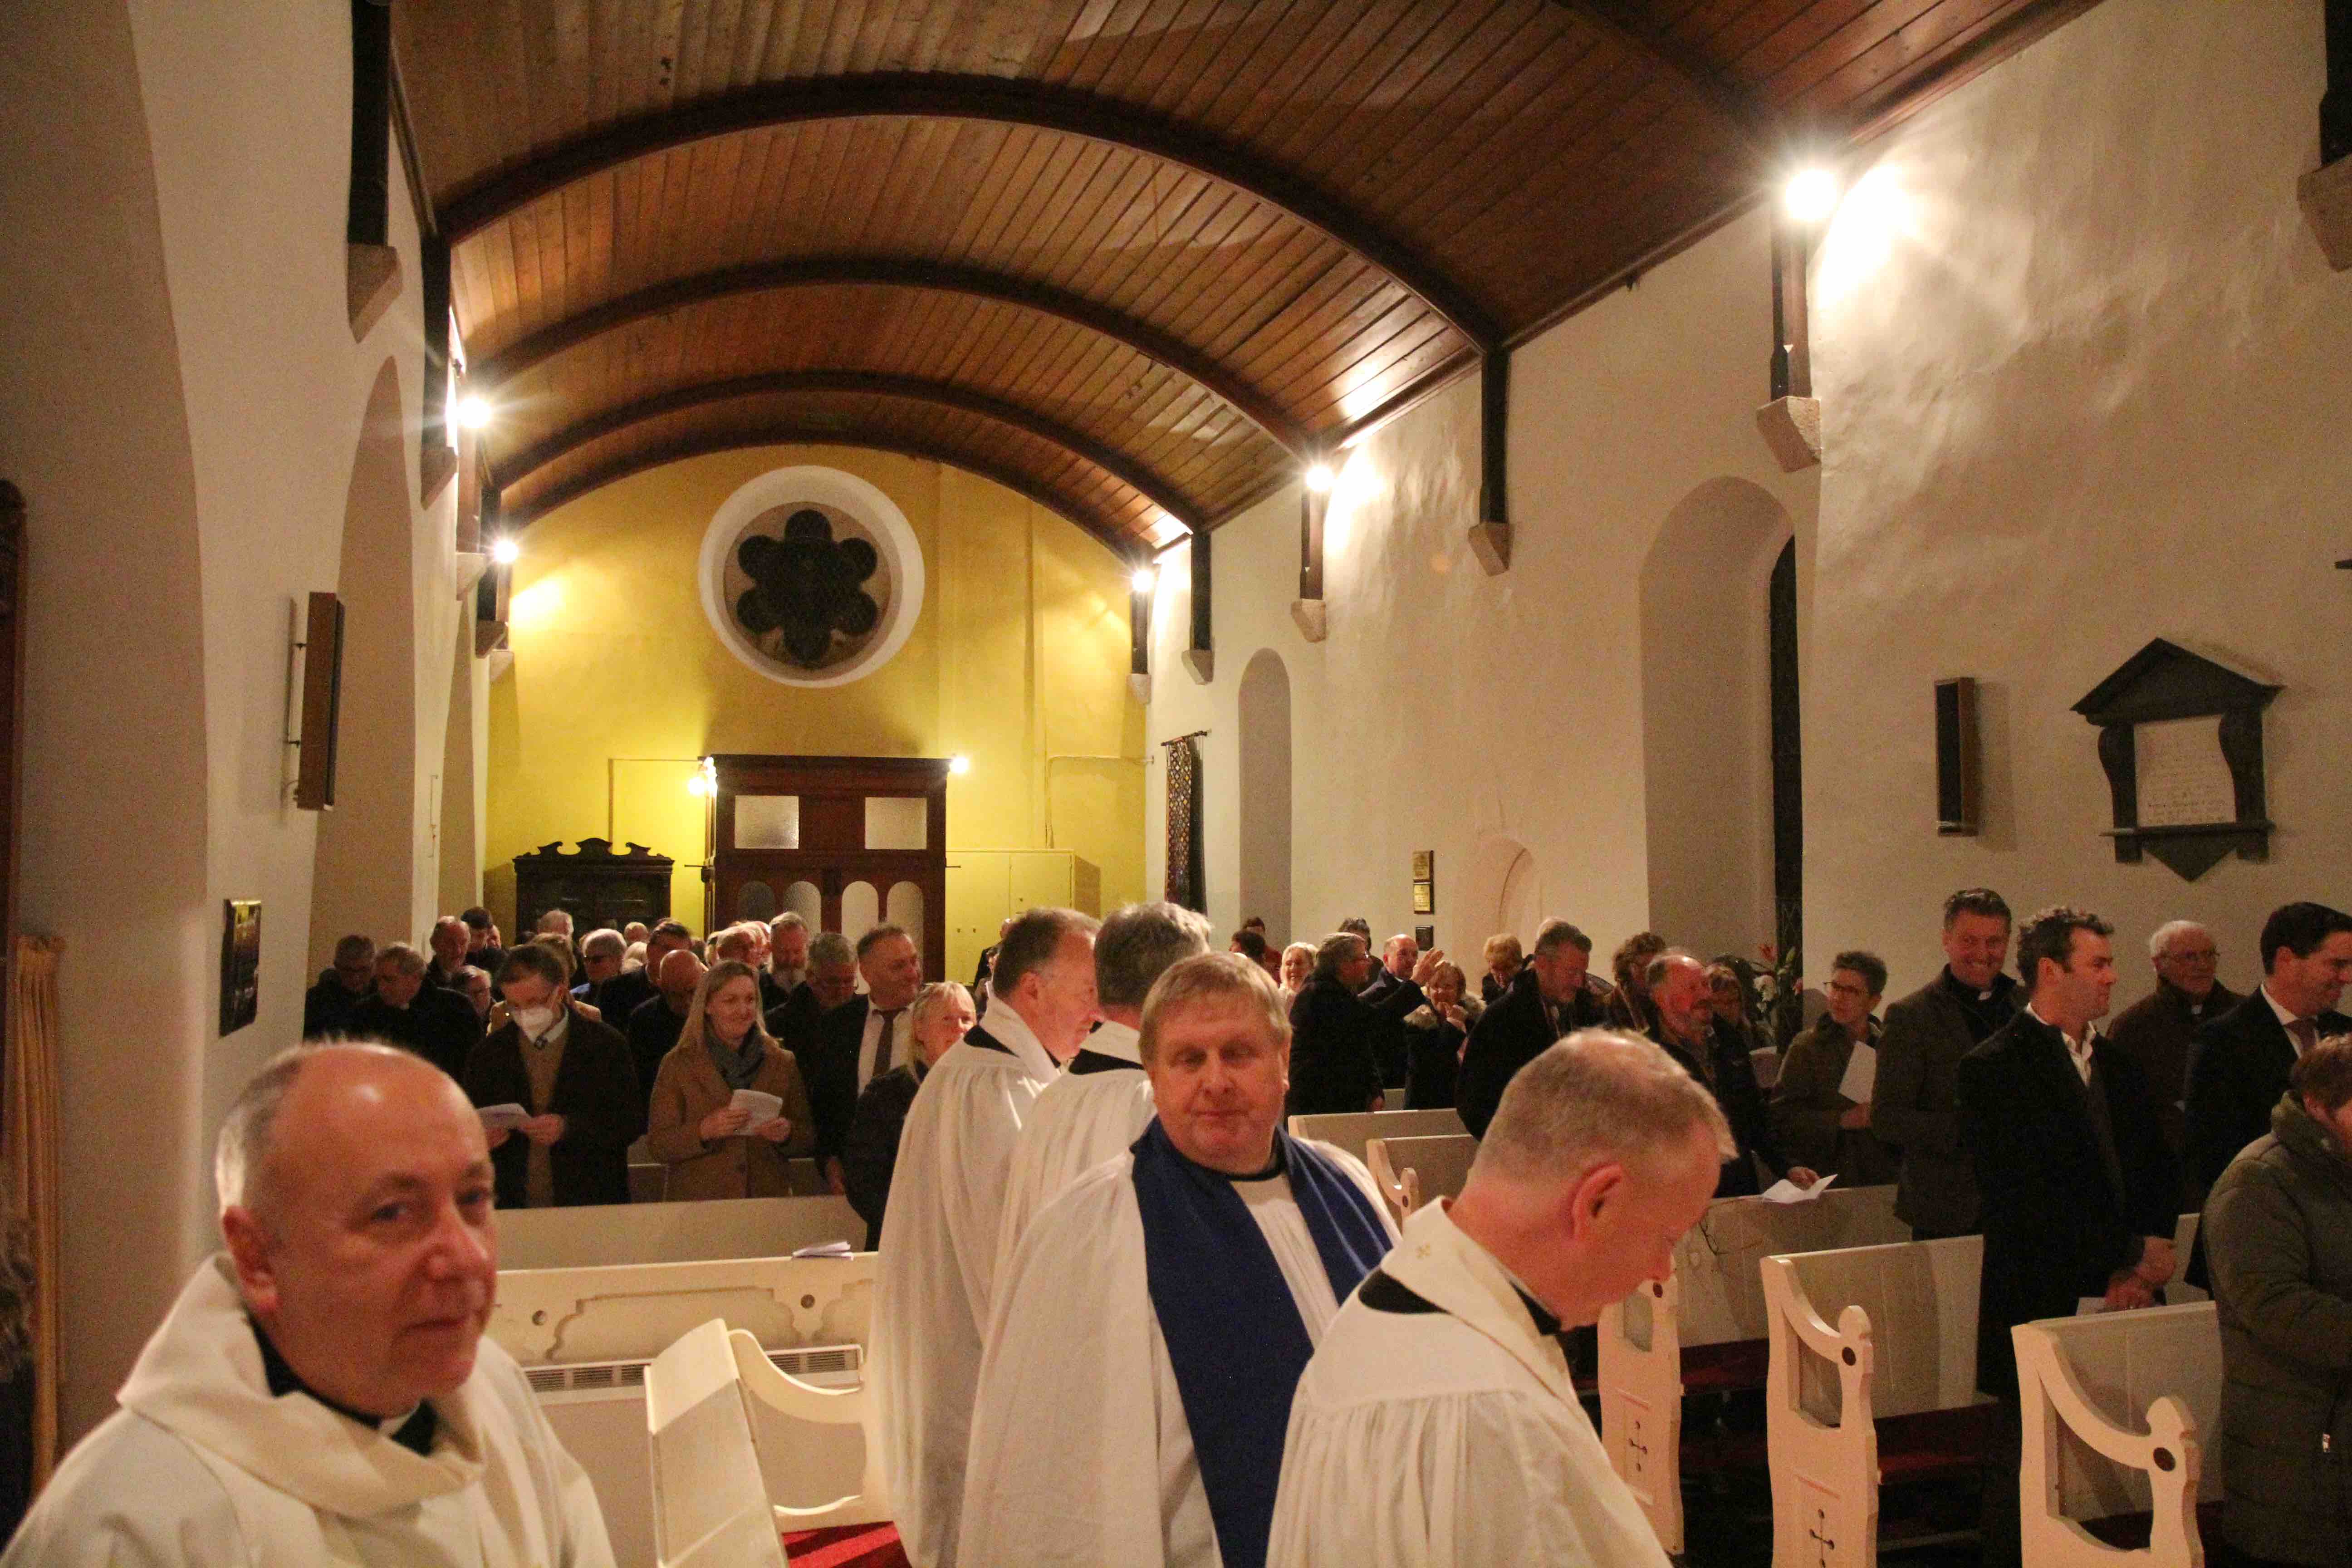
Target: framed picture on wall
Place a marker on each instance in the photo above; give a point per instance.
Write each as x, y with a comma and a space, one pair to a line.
240, 963
1425, 897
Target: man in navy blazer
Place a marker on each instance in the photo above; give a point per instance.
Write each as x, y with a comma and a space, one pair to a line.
2240, 1066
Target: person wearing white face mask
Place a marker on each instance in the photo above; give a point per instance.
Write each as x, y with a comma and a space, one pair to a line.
573, 1075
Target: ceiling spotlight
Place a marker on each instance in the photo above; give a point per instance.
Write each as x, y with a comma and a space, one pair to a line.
505, 552
958, 764
1143, 579
473, 411
1812, 195
1318, 477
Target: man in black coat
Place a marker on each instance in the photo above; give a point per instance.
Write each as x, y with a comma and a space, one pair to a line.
327, 1006
439, 1025
2079, 1189
859, 1039
1915, 1105
2241, 1061
1398, 955
652, 1028
1681, 1000
482, 949
2159, 1030
633, 988
574, 1076
1337, 1040
1552, 995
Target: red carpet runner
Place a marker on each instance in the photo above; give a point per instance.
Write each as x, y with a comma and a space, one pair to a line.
848, 1546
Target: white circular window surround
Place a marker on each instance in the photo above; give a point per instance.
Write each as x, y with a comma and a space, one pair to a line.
836, 602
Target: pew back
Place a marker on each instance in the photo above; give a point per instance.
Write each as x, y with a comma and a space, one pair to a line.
1352, 1130
672, 1233
624, 1312
1411, 1172
2116, 1408
709, 1503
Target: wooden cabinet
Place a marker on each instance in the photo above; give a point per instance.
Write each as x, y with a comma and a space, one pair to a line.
596, 885
848, 842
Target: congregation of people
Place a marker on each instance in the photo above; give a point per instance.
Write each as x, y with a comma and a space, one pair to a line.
1123, 1315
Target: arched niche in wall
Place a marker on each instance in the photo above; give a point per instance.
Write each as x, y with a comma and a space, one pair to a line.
861, 910
755, 901
803, 899
1500, 893
1707, 716
1265, 809
904, 909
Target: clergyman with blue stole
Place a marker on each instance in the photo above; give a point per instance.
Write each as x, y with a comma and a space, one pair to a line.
1143, 1347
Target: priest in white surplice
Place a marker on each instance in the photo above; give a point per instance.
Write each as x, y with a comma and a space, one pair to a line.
1436, 1427
939, 1233
1097, 1110
1152, 1322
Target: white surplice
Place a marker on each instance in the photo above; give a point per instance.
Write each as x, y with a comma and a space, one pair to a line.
939, 1255
1081, 1457
1447, 1439
1081, 1119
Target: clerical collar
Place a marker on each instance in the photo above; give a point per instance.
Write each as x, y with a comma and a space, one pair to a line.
1970, 992
413, 1431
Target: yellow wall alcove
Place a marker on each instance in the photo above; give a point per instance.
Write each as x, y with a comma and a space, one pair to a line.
1017, 661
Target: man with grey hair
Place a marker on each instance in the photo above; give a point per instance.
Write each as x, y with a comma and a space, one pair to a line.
1338, 1039
601, 953
933, 1294
831, 983
1101, 1105
788, 960
1155, 1316
439, 1025
1447, 1361
448, 941
326, 1007
322, 1391
1552, 995
2158, 1030
1681, 1000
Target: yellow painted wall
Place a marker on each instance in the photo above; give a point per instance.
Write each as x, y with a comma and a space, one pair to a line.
1018, 659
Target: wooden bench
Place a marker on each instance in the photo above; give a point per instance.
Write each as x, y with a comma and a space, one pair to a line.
1703, 1330
2088, 1460
1887, 1393
1352, 1130
672, 1233
1411, 1172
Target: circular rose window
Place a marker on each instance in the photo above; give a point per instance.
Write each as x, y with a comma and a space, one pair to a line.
811, 576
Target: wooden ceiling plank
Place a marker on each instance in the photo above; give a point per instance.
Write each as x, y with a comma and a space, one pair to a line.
1626, 26
697, 75
1107, 257
1740, 35
1013, 146
880, 153
1329, 65
1082, 245
1322, 370
1866, 51
1624, 123
1929, 73
1144, 67
927, 49
1501, 59
713, 177
1043, 156
1426, 35
867, 49
1244, 329
1844, 27
939, 183
753, 35
840, 36
835, 161
1654, 139
756, 175
1110, 29
909, 25
1177, 70
1010, 245
1258, 54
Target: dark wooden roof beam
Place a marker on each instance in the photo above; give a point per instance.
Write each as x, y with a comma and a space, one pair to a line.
1248, 400
1118, 540
945, 395
1625, 23
943, 96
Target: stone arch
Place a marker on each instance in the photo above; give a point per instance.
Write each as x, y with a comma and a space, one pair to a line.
1265, 809
1707, 716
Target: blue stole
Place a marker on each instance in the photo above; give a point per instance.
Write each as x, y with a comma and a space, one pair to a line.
1235, 1343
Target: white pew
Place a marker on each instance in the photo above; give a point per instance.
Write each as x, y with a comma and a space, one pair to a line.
1703, 1330
587, 1297
1893, 1392
2083, 1383
1352, 1130
1411, 1172
710, 1501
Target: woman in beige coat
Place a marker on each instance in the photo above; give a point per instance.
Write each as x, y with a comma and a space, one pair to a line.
712, 1150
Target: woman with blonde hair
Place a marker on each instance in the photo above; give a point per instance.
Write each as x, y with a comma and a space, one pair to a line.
942, 1014
713, 1147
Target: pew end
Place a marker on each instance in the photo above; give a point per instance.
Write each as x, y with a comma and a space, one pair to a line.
1641, 1402
2082, 1383
1411, 1172
1353, 1129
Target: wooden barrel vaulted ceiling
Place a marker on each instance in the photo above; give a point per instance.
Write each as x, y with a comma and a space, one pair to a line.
1139, 259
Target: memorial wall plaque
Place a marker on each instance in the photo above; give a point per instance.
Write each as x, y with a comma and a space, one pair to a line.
2180, 737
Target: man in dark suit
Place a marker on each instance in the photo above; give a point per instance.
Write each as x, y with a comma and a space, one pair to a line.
449, 940
831, 983
327, 1006
2241, 1061
865, 1035
653, 1026
1336, 1039
1916, 1103
2158, 1030
1398, 955
438, 1025
2079, 1189
482, 949
633, 988
1681, 1005
1552, 995
601, 953
574, 1076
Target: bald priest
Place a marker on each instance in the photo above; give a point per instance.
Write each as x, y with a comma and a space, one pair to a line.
1156, 1316
320, 1393
1436, 1424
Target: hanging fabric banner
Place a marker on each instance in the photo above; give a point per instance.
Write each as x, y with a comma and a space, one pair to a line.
1186, 885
